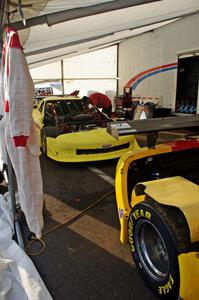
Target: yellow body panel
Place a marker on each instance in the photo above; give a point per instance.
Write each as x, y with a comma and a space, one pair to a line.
121, 183
181, 193
189, 275
175, 191
65, 147
83, 146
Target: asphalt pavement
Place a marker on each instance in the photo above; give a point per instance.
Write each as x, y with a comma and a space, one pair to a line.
84, 258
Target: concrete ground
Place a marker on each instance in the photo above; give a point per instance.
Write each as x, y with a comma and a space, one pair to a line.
84, 258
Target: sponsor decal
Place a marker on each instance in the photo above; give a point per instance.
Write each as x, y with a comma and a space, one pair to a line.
121, 213
138, 213
130, 232
165, 289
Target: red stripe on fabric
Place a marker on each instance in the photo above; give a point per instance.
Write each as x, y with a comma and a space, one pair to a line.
8, 68
130, 82
20, 141
10, 29
14, 42
183, 145
4, 54
6, 106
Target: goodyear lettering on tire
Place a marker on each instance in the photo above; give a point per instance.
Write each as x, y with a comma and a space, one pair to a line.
139, 213
130, 232
165, 289
168, 286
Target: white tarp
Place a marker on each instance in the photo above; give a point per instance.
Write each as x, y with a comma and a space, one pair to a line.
96, 71
44, 44
19, 279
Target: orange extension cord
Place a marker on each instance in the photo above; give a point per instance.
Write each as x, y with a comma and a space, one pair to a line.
41, 241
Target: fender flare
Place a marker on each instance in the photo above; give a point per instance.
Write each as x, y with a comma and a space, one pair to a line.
174, 191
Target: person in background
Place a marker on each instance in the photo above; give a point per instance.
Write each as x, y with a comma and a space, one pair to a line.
101, 101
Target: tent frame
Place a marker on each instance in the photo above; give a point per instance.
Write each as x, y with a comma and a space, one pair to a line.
80, 12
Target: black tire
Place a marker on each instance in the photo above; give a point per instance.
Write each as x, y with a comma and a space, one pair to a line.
43, 142
49, 131
149, 108
154, 250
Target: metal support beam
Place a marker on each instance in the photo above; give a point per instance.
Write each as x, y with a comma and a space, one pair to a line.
62, 76
11, 188
80, 12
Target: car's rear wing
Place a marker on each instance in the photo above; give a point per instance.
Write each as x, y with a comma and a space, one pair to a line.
151, 127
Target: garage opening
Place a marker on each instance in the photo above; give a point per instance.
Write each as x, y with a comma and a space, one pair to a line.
187, 95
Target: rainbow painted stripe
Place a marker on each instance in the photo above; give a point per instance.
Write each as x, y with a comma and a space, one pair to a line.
136, 80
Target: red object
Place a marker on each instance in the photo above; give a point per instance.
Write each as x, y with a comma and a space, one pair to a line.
100, 100
77, 199
6, 106
20, 141
75, 93
183, 145
14, 43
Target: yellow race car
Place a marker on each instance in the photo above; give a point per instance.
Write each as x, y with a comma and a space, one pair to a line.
157, 198
69, 134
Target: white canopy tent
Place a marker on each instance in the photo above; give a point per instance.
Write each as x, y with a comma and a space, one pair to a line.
89, 72
58, 29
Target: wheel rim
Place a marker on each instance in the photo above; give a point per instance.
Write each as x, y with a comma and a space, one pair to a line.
151, 250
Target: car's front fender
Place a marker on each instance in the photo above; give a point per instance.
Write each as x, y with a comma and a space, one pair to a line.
123, 203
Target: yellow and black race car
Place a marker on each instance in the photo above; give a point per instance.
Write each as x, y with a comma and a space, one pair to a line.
69, 134
157, 194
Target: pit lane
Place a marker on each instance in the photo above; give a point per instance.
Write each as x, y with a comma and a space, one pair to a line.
84, 259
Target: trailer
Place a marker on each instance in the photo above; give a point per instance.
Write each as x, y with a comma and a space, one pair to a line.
162, 65
157, 189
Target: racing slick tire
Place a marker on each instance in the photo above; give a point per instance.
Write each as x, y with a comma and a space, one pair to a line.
43, 142
154, 250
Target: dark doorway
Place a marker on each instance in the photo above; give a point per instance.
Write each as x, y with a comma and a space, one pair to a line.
187, 85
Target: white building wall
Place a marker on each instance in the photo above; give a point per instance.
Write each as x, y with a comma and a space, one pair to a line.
153, 49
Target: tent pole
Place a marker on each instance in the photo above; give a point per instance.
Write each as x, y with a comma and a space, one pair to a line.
62, 76
17, 225
9, 165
